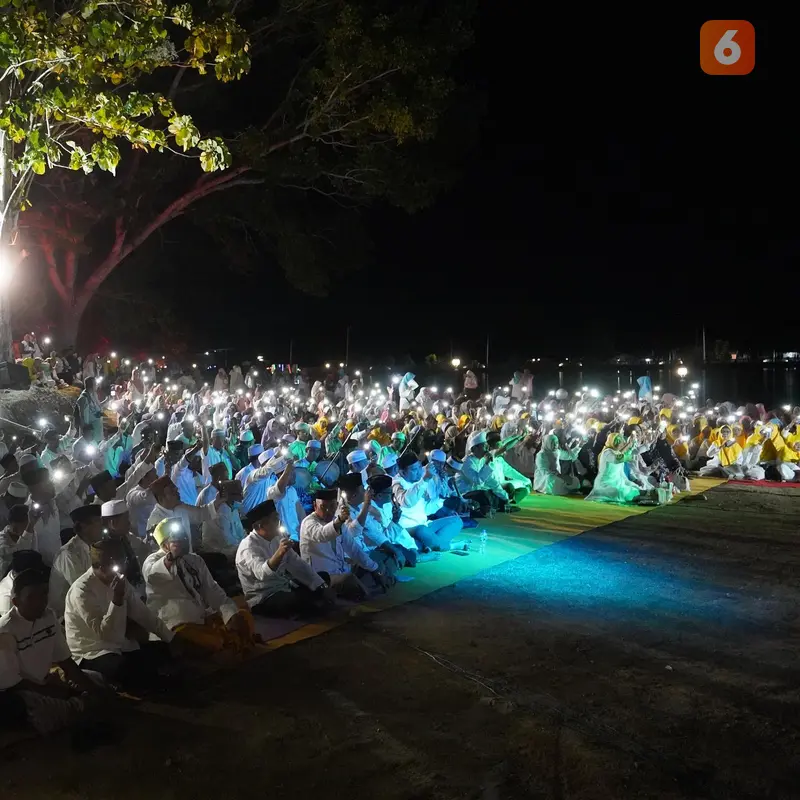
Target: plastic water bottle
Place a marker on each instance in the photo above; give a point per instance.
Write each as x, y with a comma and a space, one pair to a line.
484, 539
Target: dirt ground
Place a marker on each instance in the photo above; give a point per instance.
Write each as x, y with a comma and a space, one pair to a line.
654, 658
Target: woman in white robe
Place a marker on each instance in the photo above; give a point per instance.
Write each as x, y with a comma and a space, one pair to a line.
237, 380
547, 479
611, 484
221, 381
406, 390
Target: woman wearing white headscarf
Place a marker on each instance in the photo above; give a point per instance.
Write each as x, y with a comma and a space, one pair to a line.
406, 390
237, 379
547, 478
221, 381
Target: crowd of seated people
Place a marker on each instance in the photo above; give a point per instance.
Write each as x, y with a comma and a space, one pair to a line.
163, 539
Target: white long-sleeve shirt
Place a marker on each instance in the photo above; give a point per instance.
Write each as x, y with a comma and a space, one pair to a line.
28, 650
96, 627
8, 546
47, 532
6, 588
243, 473
71, 561
286, 502
477, 473
214, 456
327, 550
67, 497
184, 592
191, 516
259, 581
132, 478
223, 533
257, 486
412, 499
187, 482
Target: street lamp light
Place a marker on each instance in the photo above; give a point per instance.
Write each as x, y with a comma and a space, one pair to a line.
682, 373
456, 362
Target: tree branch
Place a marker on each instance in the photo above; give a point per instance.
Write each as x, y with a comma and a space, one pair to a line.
52, 271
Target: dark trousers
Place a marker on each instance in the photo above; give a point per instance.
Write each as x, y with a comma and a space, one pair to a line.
222, 572
137, 669
486, 501
299, 601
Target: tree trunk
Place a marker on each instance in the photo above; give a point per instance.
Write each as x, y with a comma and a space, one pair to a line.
68, 329
8, 220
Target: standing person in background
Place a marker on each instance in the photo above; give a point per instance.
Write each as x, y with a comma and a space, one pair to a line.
88, 410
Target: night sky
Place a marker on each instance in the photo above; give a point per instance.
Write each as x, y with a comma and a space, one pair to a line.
617, 198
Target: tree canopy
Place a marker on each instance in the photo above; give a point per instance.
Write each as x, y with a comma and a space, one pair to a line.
341, 108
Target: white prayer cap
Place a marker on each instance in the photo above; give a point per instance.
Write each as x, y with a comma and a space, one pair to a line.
113, 508
288, 438
313, 443
17, 489
455, 463
300, 426
254, 450
266, 456
438, 455
356, 455
479, 437
389, 460
26, 458
246, 436
218, 432
277, 464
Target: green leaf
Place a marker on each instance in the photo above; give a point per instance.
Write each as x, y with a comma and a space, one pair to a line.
185, 132
106, 155
214, 154
182, 15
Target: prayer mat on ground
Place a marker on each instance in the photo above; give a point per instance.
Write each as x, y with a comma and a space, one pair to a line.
543, 520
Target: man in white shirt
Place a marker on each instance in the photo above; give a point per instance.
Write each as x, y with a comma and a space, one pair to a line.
222, 533
477, 474
168, 504
286, 499
411, 490
327, 542
53, 447
358, 463
20, 561
187, 599
218, 452
259, 482
99, 609
191, 473
253, 452
117, 525
44, 522
31, 643
15, 536
275, 580
373, 535
140, 502
73, 559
